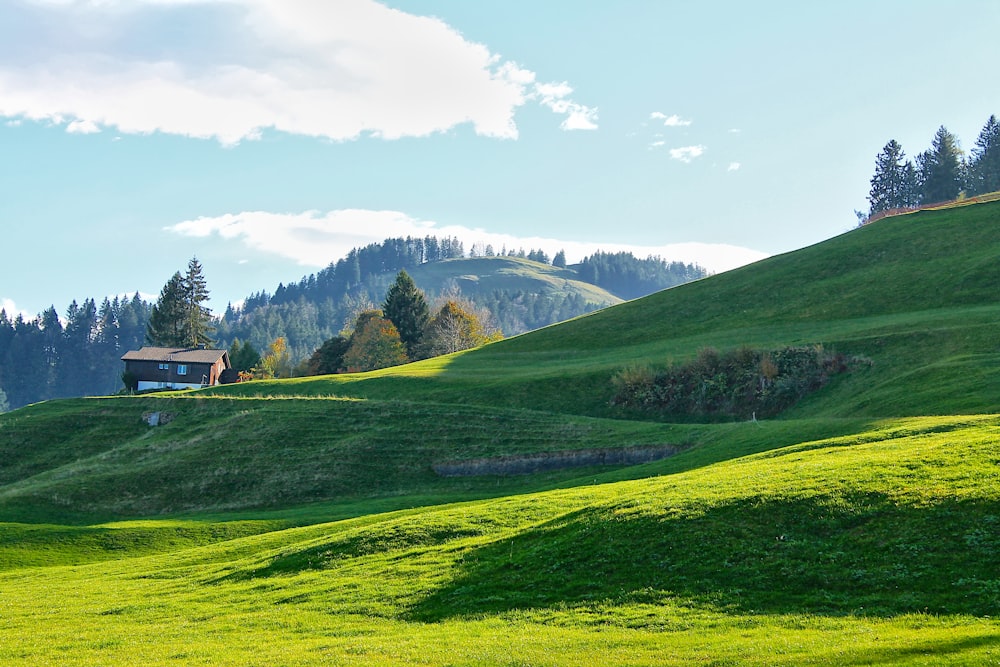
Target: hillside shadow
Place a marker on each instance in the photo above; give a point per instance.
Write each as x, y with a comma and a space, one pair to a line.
864, 556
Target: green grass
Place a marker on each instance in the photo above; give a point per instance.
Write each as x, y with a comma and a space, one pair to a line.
301, 521
874, 548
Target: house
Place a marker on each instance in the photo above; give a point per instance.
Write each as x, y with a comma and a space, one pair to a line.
175, 367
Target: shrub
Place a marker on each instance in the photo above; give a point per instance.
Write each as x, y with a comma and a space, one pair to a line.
740, 383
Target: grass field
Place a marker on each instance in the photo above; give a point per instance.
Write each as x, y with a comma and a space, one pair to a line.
302, 521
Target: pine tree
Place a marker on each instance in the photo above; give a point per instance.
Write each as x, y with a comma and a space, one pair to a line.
984, 165
940, 169
406, 307
559, 261
894, 184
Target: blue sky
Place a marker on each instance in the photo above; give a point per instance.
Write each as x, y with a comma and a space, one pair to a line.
268, 137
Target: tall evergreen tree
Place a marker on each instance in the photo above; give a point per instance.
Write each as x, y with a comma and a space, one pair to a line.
178, 318
984, 164
894, 184
940, 169
166, 320
406, 307
197, 318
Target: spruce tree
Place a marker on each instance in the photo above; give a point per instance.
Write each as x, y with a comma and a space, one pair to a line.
178, 319
406, 307
940, 169
984, 165
894, 183
197, 318
166, 320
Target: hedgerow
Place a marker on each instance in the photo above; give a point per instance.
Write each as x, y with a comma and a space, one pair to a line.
743, 383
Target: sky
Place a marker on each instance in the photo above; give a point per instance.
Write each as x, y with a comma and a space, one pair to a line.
269, 137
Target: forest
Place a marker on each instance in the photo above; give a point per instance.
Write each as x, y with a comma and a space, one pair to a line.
78, 353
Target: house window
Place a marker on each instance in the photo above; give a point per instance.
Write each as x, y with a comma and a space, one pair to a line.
182, 369
164, 367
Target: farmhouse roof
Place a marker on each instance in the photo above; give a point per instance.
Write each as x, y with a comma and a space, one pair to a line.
180, 355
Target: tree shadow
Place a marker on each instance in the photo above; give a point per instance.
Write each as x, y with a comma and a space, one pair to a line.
822, 555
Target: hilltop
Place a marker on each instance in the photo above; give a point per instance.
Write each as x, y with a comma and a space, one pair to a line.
312, 520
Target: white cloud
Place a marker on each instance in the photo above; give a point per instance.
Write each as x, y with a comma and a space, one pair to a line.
733, 166
9, 307
82, 127
659, 143
669, 121
687, 153
555, 97
316, 239
229, 70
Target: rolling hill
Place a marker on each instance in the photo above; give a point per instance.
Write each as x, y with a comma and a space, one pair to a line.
309, 521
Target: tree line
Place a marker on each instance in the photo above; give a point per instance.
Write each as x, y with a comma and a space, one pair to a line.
53, 356
941, 173
44, 358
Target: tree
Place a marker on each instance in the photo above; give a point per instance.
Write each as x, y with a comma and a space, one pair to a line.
178, 318
454, 328
940, 169
197, 318
329, 357
243, 356
166, 320
276, 363
375, 344
984, 163
559, 261
894, 184
406, 307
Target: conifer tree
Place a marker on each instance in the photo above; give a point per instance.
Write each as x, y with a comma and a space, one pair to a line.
940, 169
166, 320
197, 318
984, 165
406, 307
894, 184
178, 319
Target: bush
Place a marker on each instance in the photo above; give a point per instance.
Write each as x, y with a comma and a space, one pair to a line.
738, 384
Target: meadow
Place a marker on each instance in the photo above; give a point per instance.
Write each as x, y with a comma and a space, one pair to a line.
302, 521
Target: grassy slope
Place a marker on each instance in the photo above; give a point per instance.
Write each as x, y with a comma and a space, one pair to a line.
483, 275
916, 294
859, 550
811, 539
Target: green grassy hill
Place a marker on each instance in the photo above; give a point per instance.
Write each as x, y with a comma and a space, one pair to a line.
479, 276
307, 521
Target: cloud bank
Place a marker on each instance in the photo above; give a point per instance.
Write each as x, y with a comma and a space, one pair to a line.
229, 70
316, 239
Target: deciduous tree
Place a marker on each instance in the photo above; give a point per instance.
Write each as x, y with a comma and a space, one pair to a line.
375, 344
454, 328
329, 357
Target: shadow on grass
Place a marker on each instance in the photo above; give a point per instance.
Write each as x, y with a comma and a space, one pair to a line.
861, 555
